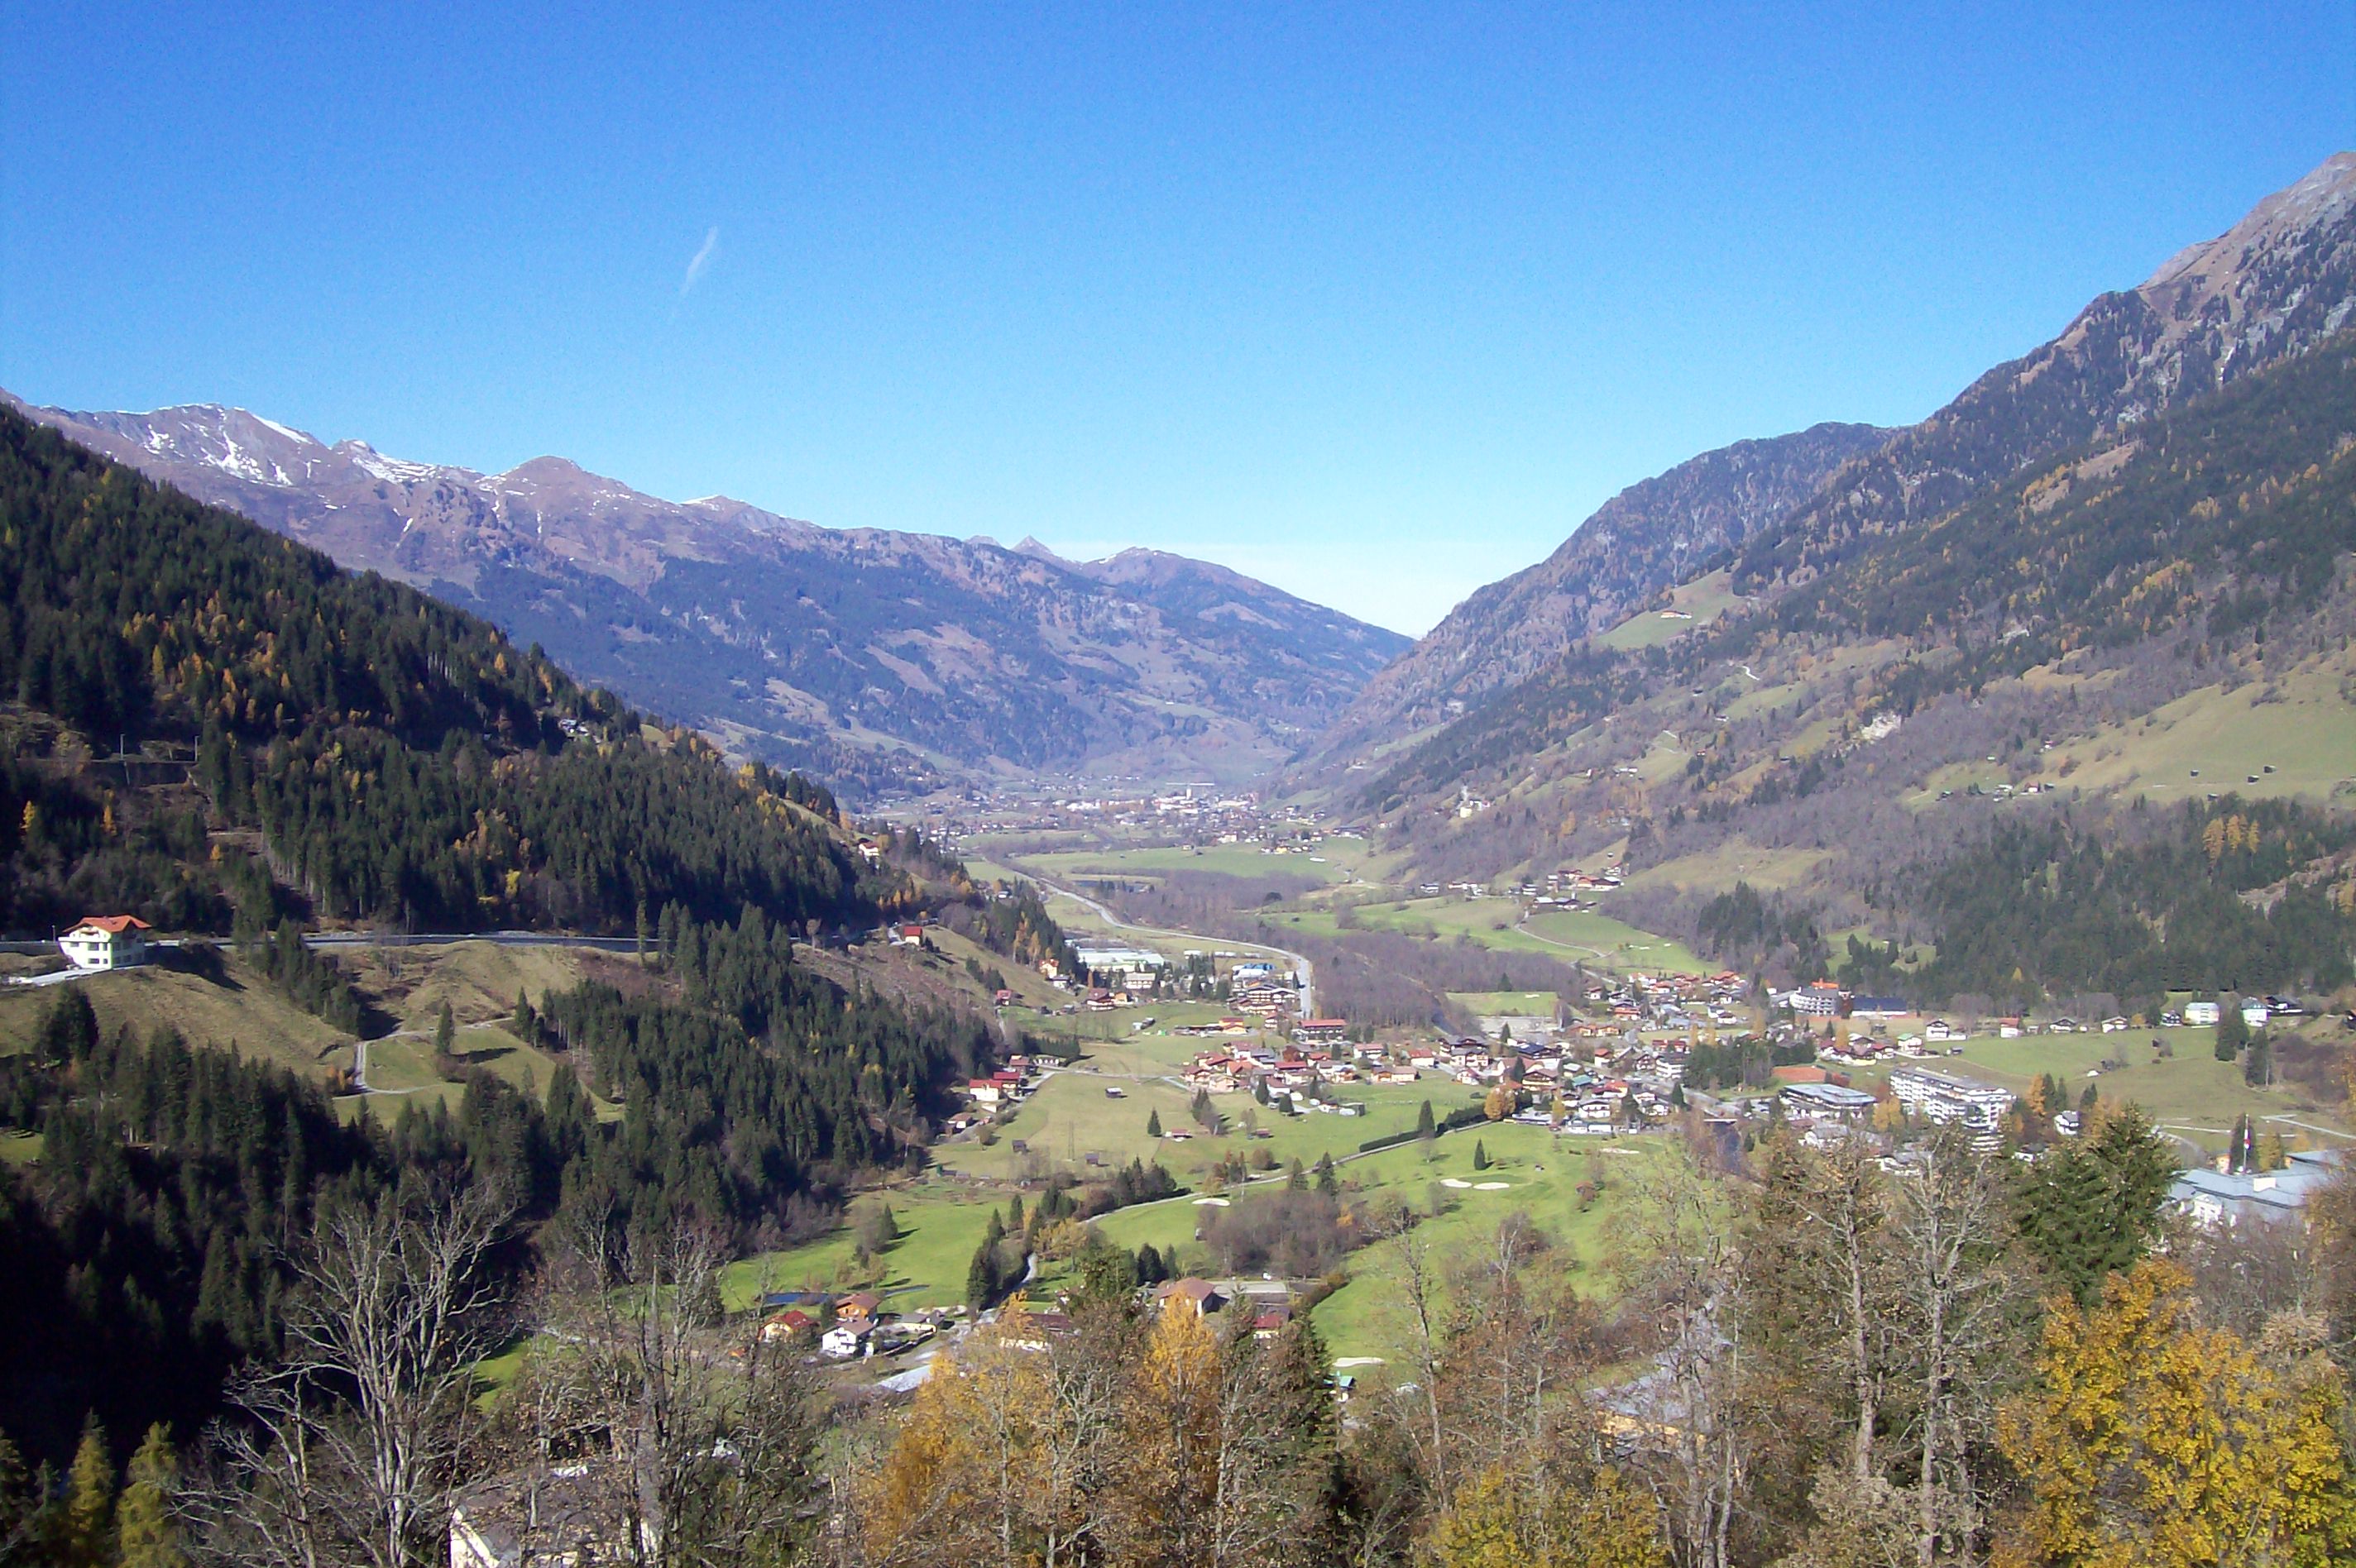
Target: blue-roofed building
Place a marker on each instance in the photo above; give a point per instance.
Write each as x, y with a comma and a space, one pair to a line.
2216, 1198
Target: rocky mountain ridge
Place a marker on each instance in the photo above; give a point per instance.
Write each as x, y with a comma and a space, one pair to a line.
1789, 508
877, 658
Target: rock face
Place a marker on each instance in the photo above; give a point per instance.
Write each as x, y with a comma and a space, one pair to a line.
2269, 288
878, 659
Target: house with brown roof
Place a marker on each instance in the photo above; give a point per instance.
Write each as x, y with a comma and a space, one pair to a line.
1199, 1297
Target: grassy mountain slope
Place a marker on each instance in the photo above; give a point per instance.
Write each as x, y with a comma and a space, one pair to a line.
2162, 614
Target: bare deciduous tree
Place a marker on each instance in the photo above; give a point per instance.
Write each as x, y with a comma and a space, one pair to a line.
347, 1451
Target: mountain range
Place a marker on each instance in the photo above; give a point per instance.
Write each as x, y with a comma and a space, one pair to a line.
880, 659
1784, 510
2114, 571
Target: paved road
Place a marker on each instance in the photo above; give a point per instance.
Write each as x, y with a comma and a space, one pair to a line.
1305, 971
334, 939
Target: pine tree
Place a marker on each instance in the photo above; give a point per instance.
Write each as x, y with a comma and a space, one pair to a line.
1326, 1182
1295, 1178
1425, 1126
1480, 1156
146, 1536
445, 1034
2232, 1033
1153, 1125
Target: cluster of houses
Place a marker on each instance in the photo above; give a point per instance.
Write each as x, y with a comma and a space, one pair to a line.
1672, 1001
856, 1325
1002, 1090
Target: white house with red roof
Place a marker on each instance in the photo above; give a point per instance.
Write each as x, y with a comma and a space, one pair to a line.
106, 942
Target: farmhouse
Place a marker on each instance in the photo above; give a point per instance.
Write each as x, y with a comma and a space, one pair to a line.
106, 942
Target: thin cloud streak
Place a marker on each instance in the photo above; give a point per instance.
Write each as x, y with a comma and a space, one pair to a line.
701, 261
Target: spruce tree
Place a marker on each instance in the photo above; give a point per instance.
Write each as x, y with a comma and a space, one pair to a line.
1153, 1125
1295, 1178
1480, 1156
981, 1277
1425, 1126
1326, 1183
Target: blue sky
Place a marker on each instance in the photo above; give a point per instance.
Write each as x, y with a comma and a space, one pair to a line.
1374, 302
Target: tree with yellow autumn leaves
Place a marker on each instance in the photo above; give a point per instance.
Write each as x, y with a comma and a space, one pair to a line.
2152, 1441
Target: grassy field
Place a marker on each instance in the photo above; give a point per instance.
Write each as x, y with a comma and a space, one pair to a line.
1614, 944
1702, 600
1540, 1173
481, 980
240, 1010
2307, 735
1226, 860
19, 1147
1573, 935
941, 1224
1071, 1117
1735, 861
1495, 1002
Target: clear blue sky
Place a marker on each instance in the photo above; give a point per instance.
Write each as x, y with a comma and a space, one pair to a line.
1376, 302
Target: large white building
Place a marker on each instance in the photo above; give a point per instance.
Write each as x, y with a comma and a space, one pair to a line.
106, 942
1942, 1097
1118, 960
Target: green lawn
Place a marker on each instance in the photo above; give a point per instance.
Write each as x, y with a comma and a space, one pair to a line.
19, 1148
1735, 861
242, 1008
1227, 860
1573, 935
2309, 736
1367, 1317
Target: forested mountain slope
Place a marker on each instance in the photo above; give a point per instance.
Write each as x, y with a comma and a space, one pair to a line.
404, 762
875, 659
2268, 289
218, 729
2159, 616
